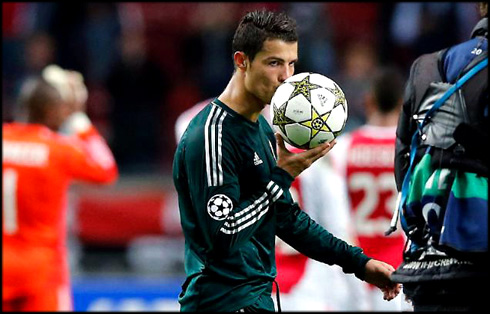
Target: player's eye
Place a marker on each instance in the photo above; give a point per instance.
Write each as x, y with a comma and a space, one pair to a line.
274, 63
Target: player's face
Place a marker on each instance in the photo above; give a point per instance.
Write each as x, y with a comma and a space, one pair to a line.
271, 66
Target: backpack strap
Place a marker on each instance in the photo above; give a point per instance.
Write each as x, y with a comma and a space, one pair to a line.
477, 68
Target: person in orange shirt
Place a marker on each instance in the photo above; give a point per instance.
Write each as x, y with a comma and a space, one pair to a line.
39, 163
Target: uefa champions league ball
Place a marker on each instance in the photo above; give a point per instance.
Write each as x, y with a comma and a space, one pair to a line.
308, 109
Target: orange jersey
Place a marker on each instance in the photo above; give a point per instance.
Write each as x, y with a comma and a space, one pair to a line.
38, 166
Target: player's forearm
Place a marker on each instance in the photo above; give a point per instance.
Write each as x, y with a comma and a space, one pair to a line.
314, 241
97, 163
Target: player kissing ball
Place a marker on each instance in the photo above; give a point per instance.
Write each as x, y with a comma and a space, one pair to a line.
308, 109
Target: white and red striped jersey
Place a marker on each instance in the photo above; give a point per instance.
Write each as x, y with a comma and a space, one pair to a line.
365, 158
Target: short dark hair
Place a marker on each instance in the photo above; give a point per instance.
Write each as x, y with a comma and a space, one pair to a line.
257, 26
37, 96
388, 86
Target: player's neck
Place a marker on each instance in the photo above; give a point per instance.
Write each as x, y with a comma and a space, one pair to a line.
239, 100
32, 120
379, 119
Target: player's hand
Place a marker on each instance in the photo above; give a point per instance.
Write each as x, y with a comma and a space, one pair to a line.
79, 91
293, 163
378, 273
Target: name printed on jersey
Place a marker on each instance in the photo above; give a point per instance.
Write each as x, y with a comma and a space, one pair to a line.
372, 156
25, 154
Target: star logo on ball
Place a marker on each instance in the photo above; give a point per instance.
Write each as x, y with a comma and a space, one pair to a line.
339, 95
280, 118
317, 122
303, 87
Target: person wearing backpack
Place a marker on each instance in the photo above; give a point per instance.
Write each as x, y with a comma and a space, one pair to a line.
442, 176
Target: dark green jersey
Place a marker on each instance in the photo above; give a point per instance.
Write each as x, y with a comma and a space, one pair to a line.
233, 201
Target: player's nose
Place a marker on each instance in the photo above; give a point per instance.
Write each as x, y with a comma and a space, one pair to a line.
285, 73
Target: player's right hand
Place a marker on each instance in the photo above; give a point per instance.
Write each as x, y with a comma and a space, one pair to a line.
79, 90
293, 163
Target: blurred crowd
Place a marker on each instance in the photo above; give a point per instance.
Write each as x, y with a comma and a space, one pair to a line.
145, 63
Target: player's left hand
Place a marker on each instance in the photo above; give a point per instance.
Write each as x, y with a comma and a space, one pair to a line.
378, 273
295, 163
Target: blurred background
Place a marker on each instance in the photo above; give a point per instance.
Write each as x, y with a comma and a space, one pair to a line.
144, 64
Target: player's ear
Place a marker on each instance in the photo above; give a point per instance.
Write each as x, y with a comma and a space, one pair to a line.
241, 60
369, 103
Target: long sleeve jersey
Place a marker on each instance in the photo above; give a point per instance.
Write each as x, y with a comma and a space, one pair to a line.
38, 166
233, 201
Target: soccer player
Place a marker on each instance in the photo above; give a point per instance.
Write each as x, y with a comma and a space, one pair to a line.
365, 159
37, 167
302, 280
233, 185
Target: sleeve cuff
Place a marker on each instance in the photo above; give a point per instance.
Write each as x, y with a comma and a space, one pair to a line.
361, 271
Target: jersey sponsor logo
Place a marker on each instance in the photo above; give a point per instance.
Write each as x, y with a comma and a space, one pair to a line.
25, 154
257, 160
213, 132
219, 206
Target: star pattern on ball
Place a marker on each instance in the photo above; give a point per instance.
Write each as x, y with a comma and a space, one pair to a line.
339, 95
280, 118
317, 122
304, 87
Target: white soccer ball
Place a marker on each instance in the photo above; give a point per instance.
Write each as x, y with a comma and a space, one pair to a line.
308, 109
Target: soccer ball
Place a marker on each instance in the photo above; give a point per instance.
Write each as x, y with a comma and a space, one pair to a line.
308, 109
